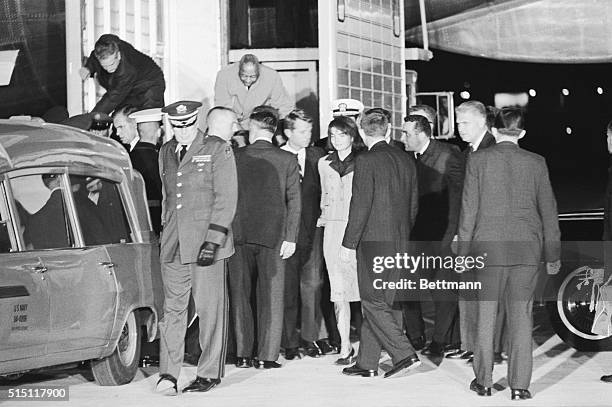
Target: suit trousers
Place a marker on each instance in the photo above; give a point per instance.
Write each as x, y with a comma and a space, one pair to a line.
515, 286
468, 307
382, 326
263, 266
446, 330
208, 285
303, 281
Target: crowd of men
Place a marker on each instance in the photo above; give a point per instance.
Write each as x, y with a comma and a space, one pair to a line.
240, 226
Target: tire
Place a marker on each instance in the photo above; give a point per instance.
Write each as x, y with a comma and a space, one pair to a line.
121, 366
570, 315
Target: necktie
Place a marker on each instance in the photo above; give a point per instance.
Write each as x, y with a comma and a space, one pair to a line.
300, 167
182, 152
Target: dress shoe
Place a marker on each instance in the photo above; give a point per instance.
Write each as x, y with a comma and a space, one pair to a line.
467, 355
480, 389
243, 362
355, 370
408, 363
292, 353
434, 349
166, 385
327, 348
418, 343
606, 378
348, 359
312, 350
201, 384
519, 394
458, 354
266, 364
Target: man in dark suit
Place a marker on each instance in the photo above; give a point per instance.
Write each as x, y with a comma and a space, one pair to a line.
130, 77
139, 131
413, 318
199, 202
383, 209
509, 212
266, 232
303, 278
440, 176
471, 117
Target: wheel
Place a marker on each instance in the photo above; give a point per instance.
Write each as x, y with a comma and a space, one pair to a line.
570, 315
121, 366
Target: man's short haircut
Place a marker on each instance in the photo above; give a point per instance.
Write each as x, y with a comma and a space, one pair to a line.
492, 112
106, 45
219, 109
421, 124
380, 110
249, 59
375, 124
346, 125
266, 118
429, 111
474, 107
509, 121
125, 111
294, 116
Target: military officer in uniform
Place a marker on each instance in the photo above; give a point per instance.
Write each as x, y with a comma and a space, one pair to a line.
200, 191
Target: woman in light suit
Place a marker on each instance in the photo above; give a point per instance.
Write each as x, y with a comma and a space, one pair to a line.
336, 171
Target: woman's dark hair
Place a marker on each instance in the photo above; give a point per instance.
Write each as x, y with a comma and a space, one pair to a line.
348, 126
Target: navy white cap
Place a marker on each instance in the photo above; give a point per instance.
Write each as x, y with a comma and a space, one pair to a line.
346, 107
147, 115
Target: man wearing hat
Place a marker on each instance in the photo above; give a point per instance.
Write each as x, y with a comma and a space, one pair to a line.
139, 131
200, 192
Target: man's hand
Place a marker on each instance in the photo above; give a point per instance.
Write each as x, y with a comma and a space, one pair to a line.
553, 267
206, 256
287, 250
346, 254
453, 245
84, 73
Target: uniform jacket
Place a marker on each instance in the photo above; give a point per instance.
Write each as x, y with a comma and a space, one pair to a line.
440, 176
199, 197
138, 81
145, 159
384, 199
269, 197
508, 207
267, 90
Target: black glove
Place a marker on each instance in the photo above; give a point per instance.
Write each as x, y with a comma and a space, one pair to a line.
206, 256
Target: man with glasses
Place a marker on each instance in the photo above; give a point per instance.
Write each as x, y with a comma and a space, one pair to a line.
200, 192
129, 76
244, 85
